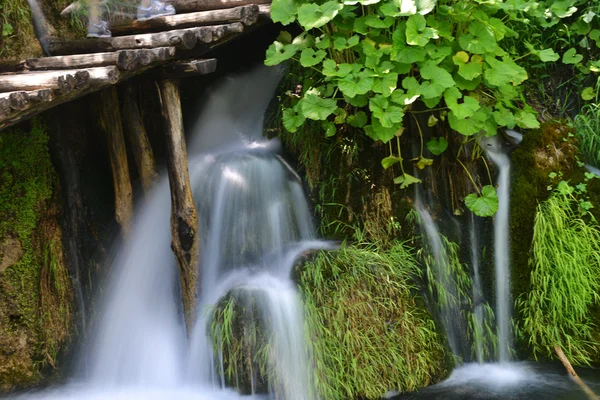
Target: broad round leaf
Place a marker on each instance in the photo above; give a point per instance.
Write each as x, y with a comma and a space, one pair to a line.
437, 145
485, 205
317, 108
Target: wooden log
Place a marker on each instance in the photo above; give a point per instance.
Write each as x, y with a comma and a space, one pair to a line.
179, 38
135, 131
248, 15
183, 69
185, 6
50, 79
129, 60
264, 12
124, 59
184, 220
582, 385
110, 119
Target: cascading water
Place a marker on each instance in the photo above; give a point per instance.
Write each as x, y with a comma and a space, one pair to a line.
501, 249
448, 301
477, 292
254, 222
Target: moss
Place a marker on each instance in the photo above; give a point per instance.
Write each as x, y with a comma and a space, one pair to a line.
17, 38
35, 290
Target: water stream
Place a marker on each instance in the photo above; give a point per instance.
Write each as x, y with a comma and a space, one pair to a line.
501, 249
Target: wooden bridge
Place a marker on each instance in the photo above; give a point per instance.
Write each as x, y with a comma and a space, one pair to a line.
174, 46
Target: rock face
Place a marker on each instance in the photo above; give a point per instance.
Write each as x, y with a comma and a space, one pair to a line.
11, 252
35, 291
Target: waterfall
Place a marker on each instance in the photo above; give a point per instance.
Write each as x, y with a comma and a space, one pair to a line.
477, 292
448, 292
501, 249
254, 222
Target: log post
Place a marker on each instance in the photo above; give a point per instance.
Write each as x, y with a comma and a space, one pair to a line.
584, 387
138, 139
110, 119
184, 220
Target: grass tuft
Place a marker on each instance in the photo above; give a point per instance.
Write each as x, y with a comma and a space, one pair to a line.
565, 282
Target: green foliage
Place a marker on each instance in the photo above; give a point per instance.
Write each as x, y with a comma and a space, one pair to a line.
587, 129
360, 311
15, 21
485, 204
565, 280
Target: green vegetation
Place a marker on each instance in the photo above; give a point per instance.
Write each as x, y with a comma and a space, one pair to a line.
17, 34
373, 66
361, 310
565, 280
587, 128
34, 309
369, 331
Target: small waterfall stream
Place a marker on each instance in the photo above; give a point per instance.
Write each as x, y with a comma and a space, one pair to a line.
501, 249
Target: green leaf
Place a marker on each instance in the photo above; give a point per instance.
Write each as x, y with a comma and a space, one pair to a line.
406, 180
485, 205
309, 57
425, 6
548, 55
377, 132
311, 15
399, 8
438, 79
422, 162
389, 116
437, 145
279, 52
571, 57
357, 120
284, 11
330, 68
505, 117
389, 161
317, 108
386, 84
463, 110
323, 42
588, 93
374, 21
356, 84
417, 32
292, 120
480, 40
329, 128
468, 70
468, 126
503, 72
526, 120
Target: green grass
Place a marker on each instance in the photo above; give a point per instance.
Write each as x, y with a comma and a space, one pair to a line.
370, 332
587, 129
565, 282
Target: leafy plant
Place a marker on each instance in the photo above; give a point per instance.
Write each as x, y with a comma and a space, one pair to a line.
485, 204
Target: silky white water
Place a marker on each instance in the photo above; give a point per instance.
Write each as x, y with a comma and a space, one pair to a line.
253, 222
501, 249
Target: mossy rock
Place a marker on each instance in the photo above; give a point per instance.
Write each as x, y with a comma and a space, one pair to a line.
35, 291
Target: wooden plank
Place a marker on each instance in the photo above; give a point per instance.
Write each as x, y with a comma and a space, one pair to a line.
179, 38
60, 79
248, 15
